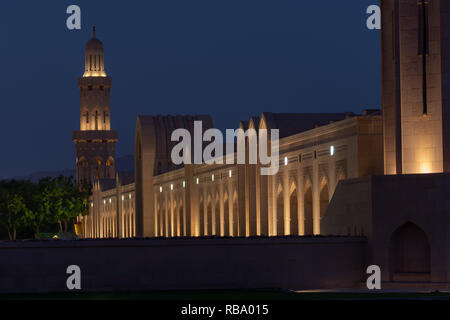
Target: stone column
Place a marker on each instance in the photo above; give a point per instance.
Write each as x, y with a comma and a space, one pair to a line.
273, 200
221, 205
301, 202
264, 205
213, 212
166, 216
158, 204
316, 197
230, 209
172, 214
184, 231
252, 202
204, 227
241, 215
178, 230
287, 202
132, 214
189, 201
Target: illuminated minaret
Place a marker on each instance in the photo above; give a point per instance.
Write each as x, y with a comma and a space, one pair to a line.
416, 85
95, 141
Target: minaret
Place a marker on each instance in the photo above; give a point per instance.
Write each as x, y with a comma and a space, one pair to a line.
416, 85
95, 141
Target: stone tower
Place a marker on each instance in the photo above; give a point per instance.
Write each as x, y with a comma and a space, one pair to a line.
95, 141
416, 85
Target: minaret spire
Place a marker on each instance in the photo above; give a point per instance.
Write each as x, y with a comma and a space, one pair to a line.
94, 57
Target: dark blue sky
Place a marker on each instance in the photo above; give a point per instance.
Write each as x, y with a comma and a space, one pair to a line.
230, 58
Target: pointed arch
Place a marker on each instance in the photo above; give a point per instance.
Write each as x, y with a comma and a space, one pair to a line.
324, 196
308, 208
293, 206
235, 224
279, 218
110, 168
292, 186
307, 182
83, 169
99, 169
340, 175
410, 254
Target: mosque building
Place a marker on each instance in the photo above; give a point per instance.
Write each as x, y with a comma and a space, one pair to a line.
381, 174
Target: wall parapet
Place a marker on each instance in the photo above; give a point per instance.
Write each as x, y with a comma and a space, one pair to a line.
183, 264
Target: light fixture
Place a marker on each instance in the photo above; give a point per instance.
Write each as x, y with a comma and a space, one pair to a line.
198, 181
332, 150
285, 161
212, 178
160, 189
171, 187
129, 196
230, 173
184, 184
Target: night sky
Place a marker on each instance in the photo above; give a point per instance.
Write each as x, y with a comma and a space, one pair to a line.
230, 58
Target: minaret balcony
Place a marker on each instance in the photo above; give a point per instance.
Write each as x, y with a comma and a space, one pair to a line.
94, 82
96, 136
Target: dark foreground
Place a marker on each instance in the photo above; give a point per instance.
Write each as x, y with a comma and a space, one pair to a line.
232, 295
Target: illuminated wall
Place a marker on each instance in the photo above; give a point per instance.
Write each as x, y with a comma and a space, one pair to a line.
415, 50
226, 201
111, 212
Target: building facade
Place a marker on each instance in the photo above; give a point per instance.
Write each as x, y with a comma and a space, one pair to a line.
235, 200
383, 176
